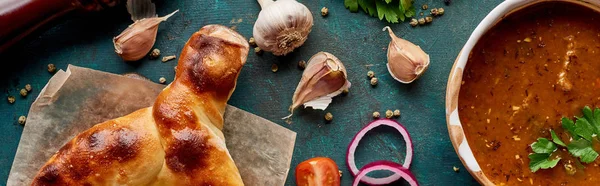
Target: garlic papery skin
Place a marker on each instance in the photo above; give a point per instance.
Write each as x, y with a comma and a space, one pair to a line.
282, 26
406, 61
137, 40
324, 78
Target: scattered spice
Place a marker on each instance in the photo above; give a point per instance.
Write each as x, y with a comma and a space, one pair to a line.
11, 99
373, 81
51, 68
434, 12
389, 114
527, 39
23, 92
162, 80
428, 19
274, 67
22, 120
155, 53
168, 58
370, 74
324, 11
396, 113
302, 64
421, 21
28, 87
328, 116
413, 22
424, 7
456, 169
258, 51
252, 42
440, 11
376, 115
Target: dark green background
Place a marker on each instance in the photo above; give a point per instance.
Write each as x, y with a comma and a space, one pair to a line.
355, 38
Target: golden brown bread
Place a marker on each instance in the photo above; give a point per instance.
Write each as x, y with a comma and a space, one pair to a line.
177, 141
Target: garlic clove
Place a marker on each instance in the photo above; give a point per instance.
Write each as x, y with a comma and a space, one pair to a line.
406, 61
282, 26
324, 78
137, 40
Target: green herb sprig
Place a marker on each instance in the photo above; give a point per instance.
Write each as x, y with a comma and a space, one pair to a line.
391, 10
582, 131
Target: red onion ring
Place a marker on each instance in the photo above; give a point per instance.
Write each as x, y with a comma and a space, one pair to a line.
354, 144
386, 165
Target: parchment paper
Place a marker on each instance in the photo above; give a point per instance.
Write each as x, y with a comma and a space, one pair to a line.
76, 99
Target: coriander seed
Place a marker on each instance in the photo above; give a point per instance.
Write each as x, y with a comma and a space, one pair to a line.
376, 115
258, 51
440, 11
23, 92
51, 68
162, 80
302, 64
168, 58
370, 74
252, 42
434, 12
328, 116
324, 11
414, 22
22, 120
28, 87
424, 7
389, 114
155, 53
421, 21
428, 19
373, 81
274, 68
11, 99
396, 113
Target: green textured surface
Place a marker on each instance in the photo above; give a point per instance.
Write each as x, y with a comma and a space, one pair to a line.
355, 38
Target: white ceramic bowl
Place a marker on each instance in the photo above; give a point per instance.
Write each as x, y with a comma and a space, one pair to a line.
455, 128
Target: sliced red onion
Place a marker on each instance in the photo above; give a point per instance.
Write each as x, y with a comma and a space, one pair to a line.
352, 148
389, 166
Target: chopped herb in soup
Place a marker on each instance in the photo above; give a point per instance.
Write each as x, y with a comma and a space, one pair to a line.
525, 74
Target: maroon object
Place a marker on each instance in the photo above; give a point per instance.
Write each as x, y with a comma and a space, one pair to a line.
18, 18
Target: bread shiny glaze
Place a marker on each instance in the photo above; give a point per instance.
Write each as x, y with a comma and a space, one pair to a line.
177, 141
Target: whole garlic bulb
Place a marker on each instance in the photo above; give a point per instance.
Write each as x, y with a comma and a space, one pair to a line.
406, 61
282, 26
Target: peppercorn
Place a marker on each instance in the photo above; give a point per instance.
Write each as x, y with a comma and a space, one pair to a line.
22, 120
23, 92
428, 19
424, 7
328, 117
162, 80
434, 12
252, 42
28, 87
155, 53
274, 67
389, 114
370, 74
373, 81
51, 68
440, 11
324, 11
11, 99
376, 115
258, 51
414, 22
422, 21
447, 2
396, 113
302, 64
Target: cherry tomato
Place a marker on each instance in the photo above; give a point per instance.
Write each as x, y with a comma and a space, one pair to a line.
318, 171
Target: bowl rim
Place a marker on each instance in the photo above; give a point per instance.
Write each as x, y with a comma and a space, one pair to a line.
455, 129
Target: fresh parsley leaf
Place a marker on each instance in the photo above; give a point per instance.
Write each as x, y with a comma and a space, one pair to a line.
583, 149
543, 145
368, 6
411, 12
583, 129
556, 139
384, 10
568, 125
351, 5
591, 118
388, 1
539, 161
